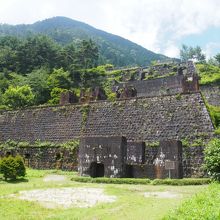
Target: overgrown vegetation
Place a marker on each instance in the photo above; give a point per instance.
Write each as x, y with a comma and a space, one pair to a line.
35, 70
203, 206
214, 112
209, 73
212, 159
11, 144
85, 111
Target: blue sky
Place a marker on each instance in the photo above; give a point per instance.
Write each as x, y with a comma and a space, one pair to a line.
158, 25
209, 40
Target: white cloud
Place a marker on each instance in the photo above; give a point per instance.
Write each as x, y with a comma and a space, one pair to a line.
211, 48
158, 25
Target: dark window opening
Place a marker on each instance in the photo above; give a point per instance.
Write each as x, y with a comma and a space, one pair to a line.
58, 156
27, 156
97, 169
129, 171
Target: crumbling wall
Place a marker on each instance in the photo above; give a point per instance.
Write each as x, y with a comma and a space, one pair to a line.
157, 87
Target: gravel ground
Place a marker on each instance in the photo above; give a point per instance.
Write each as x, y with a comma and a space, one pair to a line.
166, 194
67, 197
55, 178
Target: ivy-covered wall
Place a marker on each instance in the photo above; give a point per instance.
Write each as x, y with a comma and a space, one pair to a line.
45, 157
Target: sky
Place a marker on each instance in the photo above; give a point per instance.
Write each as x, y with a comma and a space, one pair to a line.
158, 25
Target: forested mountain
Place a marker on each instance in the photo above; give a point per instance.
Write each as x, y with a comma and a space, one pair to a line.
112, 49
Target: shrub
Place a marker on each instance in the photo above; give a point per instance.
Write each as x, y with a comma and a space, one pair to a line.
175, 182
181, 182
111, 180
212, 159
12, 167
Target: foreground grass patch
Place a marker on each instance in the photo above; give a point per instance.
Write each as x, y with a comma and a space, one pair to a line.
130, 201
203, 206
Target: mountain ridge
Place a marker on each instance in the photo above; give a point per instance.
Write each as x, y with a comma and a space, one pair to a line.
113, 48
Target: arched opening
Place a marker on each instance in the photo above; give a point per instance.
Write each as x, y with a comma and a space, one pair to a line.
97, 169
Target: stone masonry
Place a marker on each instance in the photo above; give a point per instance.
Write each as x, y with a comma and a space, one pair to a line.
138, 119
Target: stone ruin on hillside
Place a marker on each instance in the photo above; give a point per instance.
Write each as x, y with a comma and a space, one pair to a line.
138, 135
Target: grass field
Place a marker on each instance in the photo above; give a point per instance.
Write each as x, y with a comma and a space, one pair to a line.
130, 202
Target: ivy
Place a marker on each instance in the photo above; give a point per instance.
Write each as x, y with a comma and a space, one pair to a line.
153, 144
85, 112
11, 144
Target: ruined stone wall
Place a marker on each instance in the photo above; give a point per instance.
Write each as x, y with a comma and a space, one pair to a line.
46, 157
192, 161
66, 159
140, 119
109, 151
211, 93
157, 87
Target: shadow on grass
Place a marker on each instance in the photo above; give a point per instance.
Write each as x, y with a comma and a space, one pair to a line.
20, 180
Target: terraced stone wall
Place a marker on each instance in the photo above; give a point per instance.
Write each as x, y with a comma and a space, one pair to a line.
140, 119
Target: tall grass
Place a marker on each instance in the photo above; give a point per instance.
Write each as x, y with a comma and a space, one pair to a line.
203, 206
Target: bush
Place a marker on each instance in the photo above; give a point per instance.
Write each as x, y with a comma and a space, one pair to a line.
175, 182
181, 182
12, 167
212, 159
111, 180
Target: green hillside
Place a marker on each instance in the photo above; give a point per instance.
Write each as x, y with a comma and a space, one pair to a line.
113, 49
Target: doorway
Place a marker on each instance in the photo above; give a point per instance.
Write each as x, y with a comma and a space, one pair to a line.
97, 169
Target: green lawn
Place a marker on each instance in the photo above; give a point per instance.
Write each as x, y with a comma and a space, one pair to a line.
130, 203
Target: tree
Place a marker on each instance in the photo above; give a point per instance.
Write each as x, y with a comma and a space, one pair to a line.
60, 79
37, 80
187, 53
217, 58
55, 95
93, 77
87, 54
19, 96
38, 51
